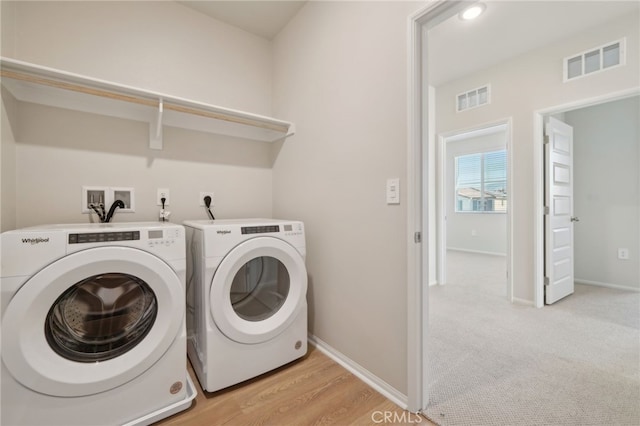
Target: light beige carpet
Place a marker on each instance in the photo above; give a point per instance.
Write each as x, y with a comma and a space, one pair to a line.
576, 362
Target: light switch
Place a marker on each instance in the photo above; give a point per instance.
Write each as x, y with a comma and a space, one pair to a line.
393, 191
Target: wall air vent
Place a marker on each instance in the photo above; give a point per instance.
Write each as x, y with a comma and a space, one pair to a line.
594, 60
473, 98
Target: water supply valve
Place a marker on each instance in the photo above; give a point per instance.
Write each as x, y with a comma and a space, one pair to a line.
164, 215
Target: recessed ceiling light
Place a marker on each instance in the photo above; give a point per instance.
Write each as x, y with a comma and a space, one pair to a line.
472, 12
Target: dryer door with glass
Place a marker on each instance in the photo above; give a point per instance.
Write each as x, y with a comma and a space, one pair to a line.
258, 290
92, 321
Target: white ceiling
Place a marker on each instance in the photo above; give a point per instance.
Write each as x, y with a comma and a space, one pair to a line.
511, 28
456, 48
264, 18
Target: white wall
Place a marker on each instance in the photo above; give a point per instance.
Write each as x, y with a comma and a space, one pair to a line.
606, 192
339, 72
7, 164
160, 46
475, 232
341, 76
7, 144
522, 86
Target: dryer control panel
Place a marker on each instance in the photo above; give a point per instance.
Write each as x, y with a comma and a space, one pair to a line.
293, 229
259, 229
287, 229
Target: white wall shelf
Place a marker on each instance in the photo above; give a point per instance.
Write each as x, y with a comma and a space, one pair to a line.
47, 86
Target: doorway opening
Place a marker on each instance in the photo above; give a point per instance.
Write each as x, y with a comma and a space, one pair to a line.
433, 111
605, 215
473, 209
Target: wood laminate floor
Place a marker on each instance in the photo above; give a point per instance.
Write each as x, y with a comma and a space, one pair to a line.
314, 390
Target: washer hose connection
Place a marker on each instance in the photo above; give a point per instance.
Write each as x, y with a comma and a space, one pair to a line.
112, 210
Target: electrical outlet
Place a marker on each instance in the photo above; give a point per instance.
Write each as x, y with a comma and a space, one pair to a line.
126, 195
623, 254
204, 194
163, 193
93, 195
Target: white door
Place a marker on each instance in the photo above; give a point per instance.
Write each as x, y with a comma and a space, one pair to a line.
92, 321
559, 219
258, 290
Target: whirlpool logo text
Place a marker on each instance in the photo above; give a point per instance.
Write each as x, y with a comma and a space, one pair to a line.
33, 241
223, 231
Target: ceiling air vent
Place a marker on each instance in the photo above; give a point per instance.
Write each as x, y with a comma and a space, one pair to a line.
473, 98
594, 60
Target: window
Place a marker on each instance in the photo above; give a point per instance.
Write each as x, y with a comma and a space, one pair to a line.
481, 182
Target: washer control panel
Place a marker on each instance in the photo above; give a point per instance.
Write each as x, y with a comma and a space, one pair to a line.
103, 237
153, 237
162, 237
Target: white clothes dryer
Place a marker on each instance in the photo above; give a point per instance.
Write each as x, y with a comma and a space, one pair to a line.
246, 298
93, 324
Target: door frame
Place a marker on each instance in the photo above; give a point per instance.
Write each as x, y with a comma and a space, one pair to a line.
538, 170
442, 189
420, 148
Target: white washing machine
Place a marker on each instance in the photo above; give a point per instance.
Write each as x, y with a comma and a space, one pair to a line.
246, 298
93, 324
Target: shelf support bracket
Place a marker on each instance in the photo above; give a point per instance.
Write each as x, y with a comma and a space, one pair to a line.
290, 132
155, 129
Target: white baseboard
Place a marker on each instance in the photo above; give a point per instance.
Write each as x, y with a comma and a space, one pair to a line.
608, 285
490, 253
360, 372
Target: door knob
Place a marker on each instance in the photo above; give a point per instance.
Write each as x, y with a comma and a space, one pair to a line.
575, 219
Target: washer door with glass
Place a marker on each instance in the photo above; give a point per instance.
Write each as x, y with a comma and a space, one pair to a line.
258, 290
92, 321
